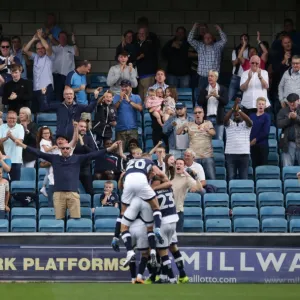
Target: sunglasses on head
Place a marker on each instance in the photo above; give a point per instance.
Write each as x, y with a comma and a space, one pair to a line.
65, 148
5, 47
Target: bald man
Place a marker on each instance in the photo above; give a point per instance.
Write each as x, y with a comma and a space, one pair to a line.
67, 111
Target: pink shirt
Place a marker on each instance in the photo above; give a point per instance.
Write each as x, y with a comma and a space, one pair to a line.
153, 101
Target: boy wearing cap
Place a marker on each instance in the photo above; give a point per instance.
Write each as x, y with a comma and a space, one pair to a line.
288, 119
128, 106
121, 72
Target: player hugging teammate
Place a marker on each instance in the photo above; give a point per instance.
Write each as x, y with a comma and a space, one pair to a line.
142, 205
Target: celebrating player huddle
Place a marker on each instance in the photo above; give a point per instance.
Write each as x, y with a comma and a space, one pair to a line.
144, 205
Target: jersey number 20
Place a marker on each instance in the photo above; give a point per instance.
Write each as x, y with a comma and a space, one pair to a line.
138, 164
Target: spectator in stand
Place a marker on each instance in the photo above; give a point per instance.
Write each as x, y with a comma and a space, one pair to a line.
109, 197
128, 46
259, 137
176, 53
181, 183
154, 104
76, 80
237, 148
4, 195
63, 63
209, 53
189, 161
288, 121
17, 51
66, 186
146, 61
213, 100
67, 112
177, 143
200, 134
234, 87
51, 30
169, 104
5, 163
254, 84
245, 62
105, 118
31, 130
17, 93
110, 166
143, 22
160, 152
170, 166
128, 106
160, 80
85, 145
42, 68
290, 81
9, 134
121, 72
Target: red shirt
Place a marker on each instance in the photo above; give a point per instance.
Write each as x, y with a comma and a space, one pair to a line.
246, 65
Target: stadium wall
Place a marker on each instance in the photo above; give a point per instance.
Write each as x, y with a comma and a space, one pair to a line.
98, 25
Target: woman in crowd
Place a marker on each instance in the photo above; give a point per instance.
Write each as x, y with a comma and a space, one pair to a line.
170, 166
128, 46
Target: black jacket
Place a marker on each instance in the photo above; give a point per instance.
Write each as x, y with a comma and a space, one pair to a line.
179, 63
30, 140
104, 116
89, 146
149, 63
23, 89
223, 100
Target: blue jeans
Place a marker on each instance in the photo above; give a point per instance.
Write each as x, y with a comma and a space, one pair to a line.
203, 82
177, 153
288, 158
59, 81
15, 172
237, 166
179, 81
209, 167
179, 225
35, 104
219, 128
234, 87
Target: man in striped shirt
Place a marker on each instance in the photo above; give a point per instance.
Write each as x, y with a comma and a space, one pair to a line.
237, 148
209, 53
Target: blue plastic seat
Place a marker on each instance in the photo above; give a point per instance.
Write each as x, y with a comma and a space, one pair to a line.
194, 213
291, 186
270, 199
267, 172
148, 133
241, 186
105, 225
23, 212
96, 200
268, 185
23, 187
295, 226
273, 159
51, 225
98, 186
272, 133
41, 174
221, 173
218, 225
221, 185
28, 174
290, 172
292, 199
219, 159
43, 201
218, 199
4, 226
216, 213
106, 213
79, 225
46, 119
246, 225
46, 213
147, 120
274, 225
243, 199
184, 91
273, 146
23, 225
149, 145
218, 146
86, 213
272, 212
193, 200
244, 212
193, 225
85, 200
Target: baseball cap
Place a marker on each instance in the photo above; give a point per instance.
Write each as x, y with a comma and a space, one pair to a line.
180, 105
125, 82
292, 97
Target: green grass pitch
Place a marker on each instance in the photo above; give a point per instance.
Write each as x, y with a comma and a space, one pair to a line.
116, 291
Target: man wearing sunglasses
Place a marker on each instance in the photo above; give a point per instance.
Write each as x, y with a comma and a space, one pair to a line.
66, 169
254, 84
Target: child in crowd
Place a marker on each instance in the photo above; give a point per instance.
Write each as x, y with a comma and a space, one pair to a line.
135, 153
4, 195
105, 118
169, 103
153, 103
44, 142
109, 197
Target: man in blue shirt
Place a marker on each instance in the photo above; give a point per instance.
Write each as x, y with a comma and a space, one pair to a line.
128, 106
